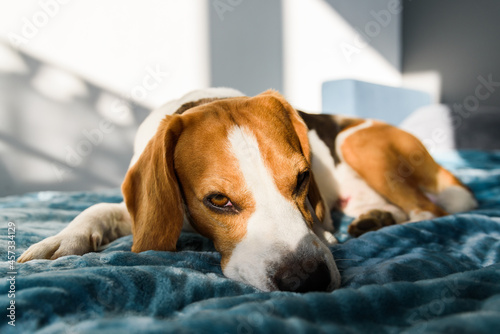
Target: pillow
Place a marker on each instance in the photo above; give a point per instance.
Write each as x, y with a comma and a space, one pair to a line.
444, 127
433, 125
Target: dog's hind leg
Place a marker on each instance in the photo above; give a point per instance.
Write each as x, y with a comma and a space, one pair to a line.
399, 168
97, 226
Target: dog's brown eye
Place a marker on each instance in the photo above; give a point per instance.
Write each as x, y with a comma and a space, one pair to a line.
302, 179
220, 201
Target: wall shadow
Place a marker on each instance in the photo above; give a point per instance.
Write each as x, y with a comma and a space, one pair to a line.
367, 17
37, 133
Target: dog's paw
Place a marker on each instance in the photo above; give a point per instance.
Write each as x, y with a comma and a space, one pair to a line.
370, 221
61, 245
328, 238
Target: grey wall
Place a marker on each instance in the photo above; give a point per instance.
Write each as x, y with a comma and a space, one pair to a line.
246, 46
457, 38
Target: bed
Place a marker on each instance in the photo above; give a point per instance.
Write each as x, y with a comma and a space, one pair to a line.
441, 275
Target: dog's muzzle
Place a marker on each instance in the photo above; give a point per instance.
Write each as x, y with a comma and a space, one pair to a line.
304, 272
304, 266
292, 277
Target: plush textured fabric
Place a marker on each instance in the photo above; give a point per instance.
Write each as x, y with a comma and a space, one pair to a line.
441, 275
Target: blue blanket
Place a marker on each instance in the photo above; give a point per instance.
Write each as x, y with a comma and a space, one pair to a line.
441, 275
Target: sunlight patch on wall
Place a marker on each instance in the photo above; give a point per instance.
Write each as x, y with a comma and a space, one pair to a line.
58, 85
11, 61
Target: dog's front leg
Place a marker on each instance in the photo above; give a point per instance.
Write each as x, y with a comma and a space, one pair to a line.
96, 226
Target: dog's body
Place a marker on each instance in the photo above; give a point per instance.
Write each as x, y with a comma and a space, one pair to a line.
251, 176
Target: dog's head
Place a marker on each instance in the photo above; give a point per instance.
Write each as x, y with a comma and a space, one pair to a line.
240, 169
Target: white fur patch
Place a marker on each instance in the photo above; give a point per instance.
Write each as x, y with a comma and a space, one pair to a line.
275, 229
324, 170
456, 199
148, 128
416, 216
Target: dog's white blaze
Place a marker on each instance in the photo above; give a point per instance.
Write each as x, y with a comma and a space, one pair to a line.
274, 215
275, 228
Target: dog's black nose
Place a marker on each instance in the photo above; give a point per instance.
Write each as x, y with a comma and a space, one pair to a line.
297, 278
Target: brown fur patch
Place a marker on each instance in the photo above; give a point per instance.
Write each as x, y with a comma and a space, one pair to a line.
395, 164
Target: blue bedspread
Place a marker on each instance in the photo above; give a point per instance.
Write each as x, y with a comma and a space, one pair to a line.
435, 276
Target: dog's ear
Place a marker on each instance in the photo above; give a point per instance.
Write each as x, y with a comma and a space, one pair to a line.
301, 129
151, 192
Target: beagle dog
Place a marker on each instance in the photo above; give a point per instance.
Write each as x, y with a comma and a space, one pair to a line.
260, 179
